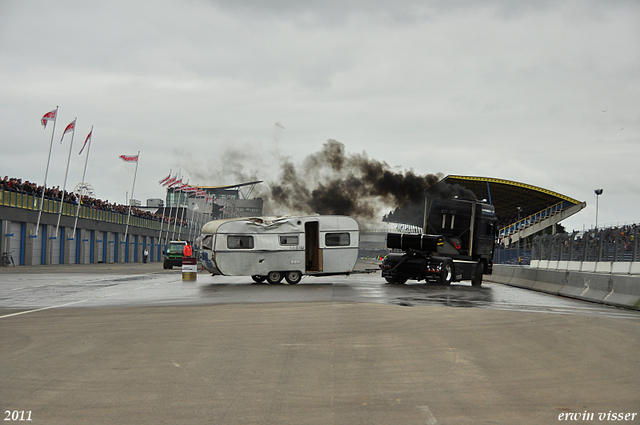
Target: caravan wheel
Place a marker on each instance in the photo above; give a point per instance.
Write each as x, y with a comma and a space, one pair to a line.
258, 279
293, 277
274, 277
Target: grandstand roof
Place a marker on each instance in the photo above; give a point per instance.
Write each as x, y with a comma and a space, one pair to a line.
231, 186
506, 195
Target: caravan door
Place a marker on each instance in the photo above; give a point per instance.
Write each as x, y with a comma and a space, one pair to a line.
313, 254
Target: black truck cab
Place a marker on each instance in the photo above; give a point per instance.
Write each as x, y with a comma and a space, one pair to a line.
457, 244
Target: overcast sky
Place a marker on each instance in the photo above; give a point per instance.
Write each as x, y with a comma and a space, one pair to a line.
540, 92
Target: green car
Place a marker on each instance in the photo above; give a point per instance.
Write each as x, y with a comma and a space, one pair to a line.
173, 255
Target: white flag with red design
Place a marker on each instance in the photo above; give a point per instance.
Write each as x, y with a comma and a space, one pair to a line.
87, 140
165, 180
175, 183
129, 158
71, 127
49, 116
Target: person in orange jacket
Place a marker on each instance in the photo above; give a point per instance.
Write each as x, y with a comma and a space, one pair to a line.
187, 251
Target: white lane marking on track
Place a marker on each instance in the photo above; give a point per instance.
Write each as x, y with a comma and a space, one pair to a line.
41, 309
431, 420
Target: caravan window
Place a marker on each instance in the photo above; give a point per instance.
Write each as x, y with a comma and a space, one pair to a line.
337, 239
289, 240
239, 242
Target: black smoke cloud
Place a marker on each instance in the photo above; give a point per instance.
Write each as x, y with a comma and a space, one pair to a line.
413, 212
334, 182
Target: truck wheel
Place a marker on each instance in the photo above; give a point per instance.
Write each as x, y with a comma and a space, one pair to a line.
293, 277
446, 274
477, 277
258, 279
274, 277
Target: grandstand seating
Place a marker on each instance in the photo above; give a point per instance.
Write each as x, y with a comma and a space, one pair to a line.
540, 220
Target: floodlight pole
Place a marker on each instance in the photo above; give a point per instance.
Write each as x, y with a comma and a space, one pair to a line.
598, 192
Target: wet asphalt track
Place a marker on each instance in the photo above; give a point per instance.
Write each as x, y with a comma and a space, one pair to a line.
145, 285
135, 344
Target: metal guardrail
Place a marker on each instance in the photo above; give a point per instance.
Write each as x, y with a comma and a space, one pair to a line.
609, 245
612, 244
32, 202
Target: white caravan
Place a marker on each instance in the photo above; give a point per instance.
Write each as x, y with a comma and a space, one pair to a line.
273, 248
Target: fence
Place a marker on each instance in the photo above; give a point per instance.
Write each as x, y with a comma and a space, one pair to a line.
32, 202
615, 244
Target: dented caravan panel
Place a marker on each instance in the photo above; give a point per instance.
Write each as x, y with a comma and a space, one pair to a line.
311, 245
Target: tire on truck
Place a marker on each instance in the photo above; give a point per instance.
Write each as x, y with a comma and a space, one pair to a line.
477, 275
446, 272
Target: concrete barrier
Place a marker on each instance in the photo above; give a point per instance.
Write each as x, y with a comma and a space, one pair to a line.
524, 277
588, 267
603, 267
574, 266
549, 281
611, 289
587, 286
501, 274
625, 292
621, 267
607, 267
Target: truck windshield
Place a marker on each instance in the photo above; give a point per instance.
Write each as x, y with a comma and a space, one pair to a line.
175, 248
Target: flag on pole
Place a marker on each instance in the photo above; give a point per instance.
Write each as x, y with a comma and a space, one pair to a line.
170, 180
87, 140
71, 127
164, 180
182, 187
175, 183
49, 116
129, 158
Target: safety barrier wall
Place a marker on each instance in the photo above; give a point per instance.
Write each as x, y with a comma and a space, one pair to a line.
606, 267
99, 235
610, 289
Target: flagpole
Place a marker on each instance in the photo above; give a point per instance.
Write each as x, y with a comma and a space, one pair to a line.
166, 239
126, 230
64, 185
173, 235
44, 185
164, 210
175, 222
86, 159
182, 214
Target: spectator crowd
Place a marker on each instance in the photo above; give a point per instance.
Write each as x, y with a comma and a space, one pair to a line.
54, 193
